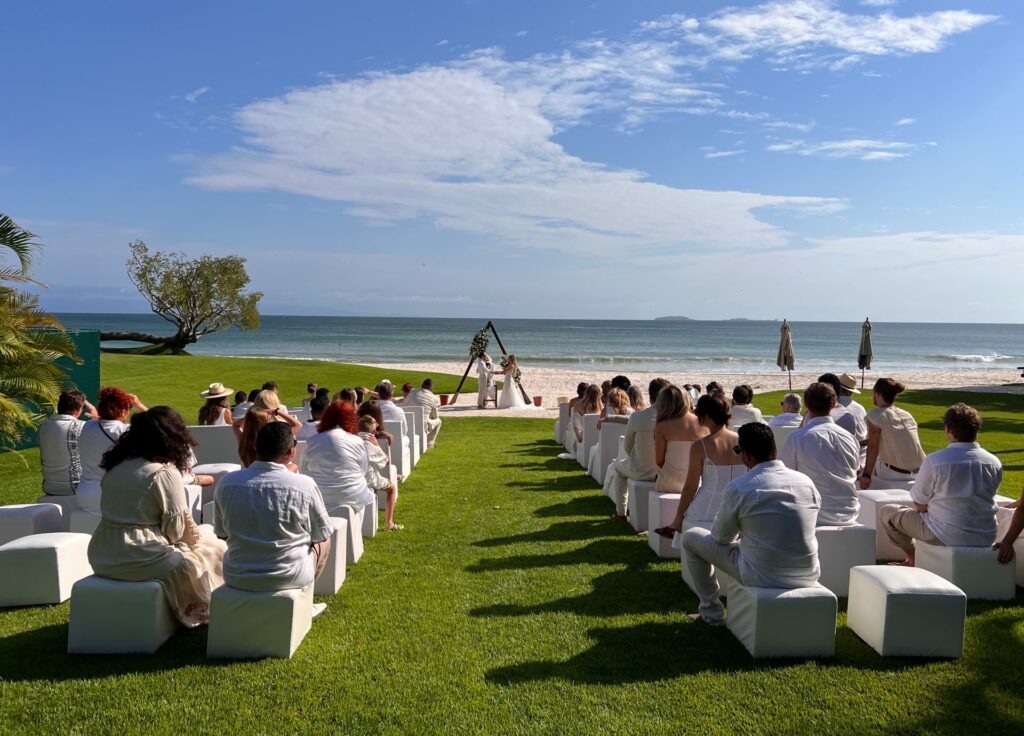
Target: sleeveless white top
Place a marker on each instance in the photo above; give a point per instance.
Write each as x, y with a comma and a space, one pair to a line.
713, 480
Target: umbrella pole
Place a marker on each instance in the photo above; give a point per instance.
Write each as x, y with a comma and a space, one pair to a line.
790, 374
862, 378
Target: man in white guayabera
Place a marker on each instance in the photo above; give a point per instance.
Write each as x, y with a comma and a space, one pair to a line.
485, 379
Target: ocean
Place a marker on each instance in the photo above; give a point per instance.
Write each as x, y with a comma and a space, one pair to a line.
735, 346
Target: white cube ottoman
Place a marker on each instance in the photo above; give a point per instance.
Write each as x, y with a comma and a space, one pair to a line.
333, 574
84, 522
248, 625
23, 519
41, 568
777, 622
639, 502
370, 520
841, 548
975, 570
871, 503
661, 512
67, 504
354, 537
113, 617
906, 611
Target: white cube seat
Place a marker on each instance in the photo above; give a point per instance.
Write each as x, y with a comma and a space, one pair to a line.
638, 503
84, 522
590, 436
779, 622
42, 568
661, 511
68, 504
114, 617
247, 625
217, 444
354, 536
370, 520
906, 611
401, 456
975, 570
333, 574
871, 503
841, 548
608, 441
22, 519
416, 449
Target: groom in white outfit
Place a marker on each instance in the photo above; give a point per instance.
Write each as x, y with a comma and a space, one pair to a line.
485, 379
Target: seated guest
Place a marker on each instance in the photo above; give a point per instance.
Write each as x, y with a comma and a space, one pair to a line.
406, 390
146, 531
98, 435
238, 400
372, 408
714, 388
272, 386
763, 535
638, 445
695, 393
894, 447
216, 412
378, 470
847, 388
674, 434
336, 459
238, 410
323, 391
425, 397
569, 435
58, 444
845, 418
621, 382
954, 493
1004, 547
743, 412
266, 409
590, 404
790, 416
636, 398
311, 389
389, 410
277, 529
617, 411
828, 455
606, 387
316, 412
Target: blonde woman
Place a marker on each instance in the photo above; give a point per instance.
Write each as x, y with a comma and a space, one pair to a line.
676, 430
617, 406
589, 404
636, 398
511, 396
265, 409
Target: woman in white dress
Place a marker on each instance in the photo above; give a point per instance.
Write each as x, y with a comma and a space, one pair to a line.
511, 396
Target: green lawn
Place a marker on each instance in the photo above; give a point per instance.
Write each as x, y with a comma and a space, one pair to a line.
512, 604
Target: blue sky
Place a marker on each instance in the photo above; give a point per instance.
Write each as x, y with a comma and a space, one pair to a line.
815, 159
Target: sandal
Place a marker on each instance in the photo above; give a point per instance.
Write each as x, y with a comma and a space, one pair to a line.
666, 531
396, 528
617, 517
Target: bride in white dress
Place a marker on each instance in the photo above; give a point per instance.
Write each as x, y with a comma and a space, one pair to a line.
511, 397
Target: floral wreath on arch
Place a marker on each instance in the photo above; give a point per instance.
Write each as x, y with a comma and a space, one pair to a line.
479, 345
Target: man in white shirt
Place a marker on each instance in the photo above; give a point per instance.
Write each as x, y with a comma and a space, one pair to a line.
317, 406
790, 416
391, 411
854, 422
58, 444
954, 494
425, 397
763, 534
743, 412
828, 455
485, 380
638, 445
277, 529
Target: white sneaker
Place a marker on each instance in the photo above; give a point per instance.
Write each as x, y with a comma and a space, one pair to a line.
319, 608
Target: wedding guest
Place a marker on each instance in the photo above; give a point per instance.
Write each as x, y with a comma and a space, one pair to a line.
371, 408
828, 455
674, 434
392, 413
239, 410
265, 409
714, 388
58, 444
636, 398
277, 529
113, 406
311, 389
713, 465
272, 386
324, 392
638, 444
378, 470
894, 447
763, 534
954, 495
743, 411
621, 382
406, 390
1005, 546
238, 400
616, 411
847, 388
349, 395
569, 431
591, 403
316, 411
845, 418
606, 387
216, 412
146, 531
361, 394
425, 397
337, 460
790, 416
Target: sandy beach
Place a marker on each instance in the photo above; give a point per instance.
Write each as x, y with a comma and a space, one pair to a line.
550, 383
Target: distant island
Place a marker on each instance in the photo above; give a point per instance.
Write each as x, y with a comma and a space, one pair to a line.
673, 318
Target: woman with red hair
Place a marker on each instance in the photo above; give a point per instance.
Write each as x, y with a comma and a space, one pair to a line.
113, 406
336, 459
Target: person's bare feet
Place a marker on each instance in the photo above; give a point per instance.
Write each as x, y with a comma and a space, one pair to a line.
697, 618
619, 517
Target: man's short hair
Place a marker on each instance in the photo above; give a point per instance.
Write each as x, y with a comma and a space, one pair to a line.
622, 382
820, 398
963, 422
318, 404
791, 402
654, 388
274, 440
581, 388
714, 387
385, 390
758, 440
70, 401
270, 386
832, 380
428, 384
743, 394
323, 391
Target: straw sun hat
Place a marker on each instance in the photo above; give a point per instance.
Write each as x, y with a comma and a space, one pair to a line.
216, 391
849, 383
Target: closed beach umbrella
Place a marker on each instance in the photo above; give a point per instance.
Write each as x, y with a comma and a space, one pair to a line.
865, 354
786, 359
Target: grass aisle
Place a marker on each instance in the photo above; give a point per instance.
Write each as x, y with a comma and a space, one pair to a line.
510, 604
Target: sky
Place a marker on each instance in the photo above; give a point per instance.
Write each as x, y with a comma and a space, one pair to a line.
810, 159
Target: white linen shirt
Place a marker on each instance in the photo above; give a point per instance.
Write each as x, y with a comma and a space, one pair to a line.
307, 431
271, 517
58, 454
391, 412
744, 414
830, 456
773, 511
959, 485
98, 436
785, 420
337, 461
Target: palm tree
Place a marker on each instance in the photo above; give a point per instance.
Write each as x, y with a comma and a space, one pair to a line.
31, 343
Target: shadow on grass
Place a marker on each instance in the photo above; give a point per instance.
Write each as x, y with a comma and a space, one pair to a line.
580, 506
599, 552
563, 531
573, 482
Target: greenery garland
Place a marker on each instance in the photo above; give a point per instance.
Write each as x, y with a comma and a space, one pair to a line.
479, 345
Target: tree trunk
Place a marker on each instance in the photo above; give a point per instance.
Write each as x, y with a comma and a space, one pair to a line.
175, 342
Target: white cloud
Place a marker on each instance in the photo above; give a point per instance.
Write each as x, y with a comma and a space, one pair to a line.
878, 3
906, 121
521, 34
442, 42
195, 94
802, 127
864, 149
724, 154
